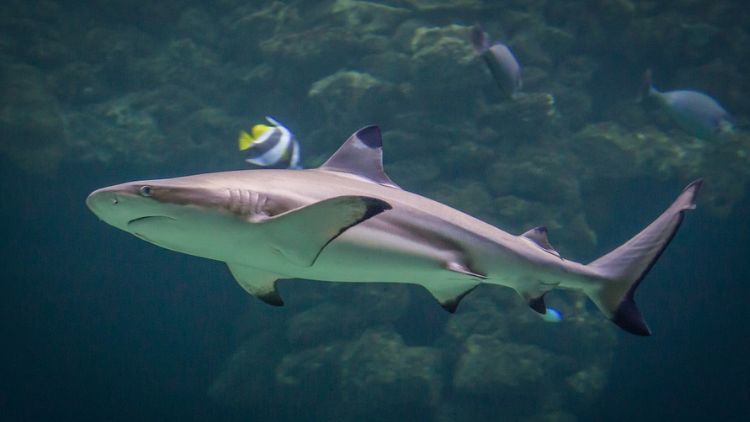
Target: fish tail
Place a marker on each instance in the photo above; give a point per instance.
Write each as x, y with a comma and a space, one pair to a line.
245, 140
479, 39
623, 269
647, 86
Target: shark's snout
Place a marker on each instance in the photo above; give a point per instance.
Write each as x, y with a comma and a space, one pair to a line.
100, 196
114, 205
99, 199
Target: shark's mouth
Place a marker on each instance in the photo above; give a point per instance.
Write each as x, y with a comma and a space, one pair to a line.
146, 223
149, 218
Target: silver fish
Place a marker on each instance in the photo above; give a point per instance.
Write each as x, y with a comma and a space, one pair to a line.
695, 112
500, 60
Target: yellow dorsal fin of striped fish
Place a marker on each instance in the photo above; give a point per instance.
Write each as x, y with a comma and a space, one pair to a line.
246, 140
259, 130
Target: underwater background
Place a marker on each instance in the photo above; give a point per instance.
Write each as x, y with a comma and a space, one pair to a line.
97, 325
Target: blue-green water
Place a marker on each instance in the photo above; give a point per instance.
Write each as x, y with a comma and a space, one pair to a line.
98, 325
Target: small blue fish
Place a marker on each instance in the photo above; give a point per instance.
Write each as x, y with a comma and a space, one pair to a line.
552, 315
695, 112
500, 60
271, 146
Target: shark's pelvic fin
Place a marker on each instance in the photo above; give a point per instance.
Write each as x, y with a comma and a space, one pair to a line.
623, 269
449, 293
302, 233
361, 155
538, 235
258, 283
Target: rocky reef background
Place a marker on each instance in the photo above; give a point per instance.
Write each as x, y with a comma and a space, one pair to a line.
162, 88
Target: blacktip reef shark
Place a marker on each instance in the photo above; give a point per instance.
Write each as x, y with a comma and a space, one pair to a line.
347, 221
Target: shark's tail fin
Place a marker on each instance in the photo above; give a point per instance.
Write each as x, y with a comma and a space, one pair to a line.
623, 269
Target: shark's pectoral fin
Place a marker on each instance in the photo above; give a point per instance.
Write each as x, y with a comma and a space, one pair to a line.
300, 234
258, 283
450, 292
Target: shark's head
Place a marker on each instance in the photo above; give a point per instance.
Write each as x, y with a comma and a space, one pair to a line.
133, 203
269, 217
160, 211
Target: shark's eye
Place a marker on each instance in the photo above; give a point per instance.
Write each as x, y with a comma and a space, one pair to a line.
145, 190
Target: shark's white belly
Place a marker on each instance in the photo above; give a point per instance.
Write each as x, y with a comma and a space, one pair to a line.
365, 254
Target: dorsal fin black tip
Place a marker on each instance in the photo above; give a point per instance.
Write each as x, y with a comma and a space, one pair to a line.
538, 235
370, 136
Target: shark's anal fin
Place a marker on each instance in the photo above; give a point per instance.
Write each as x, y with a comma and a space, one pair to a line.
361, 155
301, 234
538, 305
535, 297
258, 283
538, 236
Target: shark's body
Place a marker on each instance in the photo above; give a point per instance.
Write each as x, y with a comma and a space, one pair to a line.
348, 222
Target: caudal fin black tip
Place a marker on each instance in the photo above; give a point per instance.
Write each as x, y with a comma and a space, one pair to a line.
629, 318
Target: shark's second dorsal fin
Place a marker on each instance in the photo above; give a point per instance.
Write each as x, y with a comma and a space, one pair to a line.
361, 155
538, 235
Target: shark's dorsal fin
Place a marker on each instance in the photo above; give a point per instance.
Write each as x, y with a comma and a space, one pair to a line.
258, 283
302, 233
361, 155
538, 235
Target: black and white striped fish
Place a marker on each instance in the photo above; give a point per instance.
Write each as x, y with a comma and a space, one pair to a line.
271, 146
